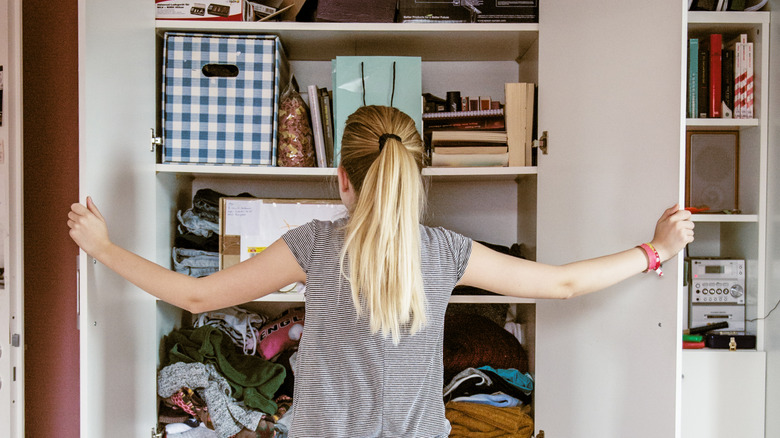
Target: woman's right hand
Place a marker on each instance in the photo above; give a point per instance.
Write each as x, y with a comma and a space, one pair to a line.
88, 228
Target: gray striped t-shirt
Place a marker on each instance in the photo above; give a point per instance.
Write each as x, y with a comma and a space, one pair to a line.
350, 383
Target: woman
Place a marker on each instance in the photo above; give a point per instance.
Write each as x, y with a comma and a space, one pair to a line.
377, 286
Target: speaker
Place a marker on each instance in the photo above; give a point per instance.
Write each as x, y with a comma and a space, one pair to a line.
712, 170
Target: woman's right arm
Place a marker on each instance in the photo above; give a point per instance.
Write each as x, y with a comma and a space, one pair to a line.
267, 272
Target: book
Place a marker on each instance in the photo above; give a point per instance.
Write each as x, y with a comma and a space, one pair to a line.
519, 116
716, 64
469, 160
693, 78
704, 80
316, 125
480, 123
487, 149
740, 73
467, 137
737, 78
326, 108
530, 118
749, 113
727, 84
456, 148
462, 114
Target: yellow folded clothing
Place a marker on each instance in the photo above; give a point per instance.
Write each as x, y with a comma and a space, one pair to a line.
475, 420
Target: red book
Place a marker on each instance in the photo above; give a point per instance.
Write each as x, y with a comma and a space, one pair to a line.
716, 64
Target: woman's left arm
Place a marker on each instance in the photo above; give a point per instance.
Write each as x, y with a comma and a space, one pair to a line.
507, 275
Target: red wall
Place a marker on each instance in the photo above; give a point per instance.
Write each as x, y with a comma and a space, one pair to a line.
50, 99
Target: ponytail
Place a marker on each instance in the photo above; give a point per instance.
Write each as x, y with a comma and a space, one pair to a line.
382, 236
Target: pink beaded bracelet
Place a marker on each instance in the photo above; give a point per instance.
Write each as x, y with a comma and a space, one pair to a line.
653, 259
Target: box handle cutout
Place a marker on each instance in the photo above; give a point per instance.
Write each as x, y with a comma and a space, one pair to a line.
220, 70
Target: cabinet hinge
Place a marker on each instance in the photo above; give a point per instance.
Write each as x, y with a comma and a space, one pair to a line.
154, 140
542, 143
158, 432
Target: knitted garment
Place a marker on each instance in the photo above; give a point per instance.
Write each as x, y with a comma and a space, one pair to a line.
474, 420
252, 379
227, 416
471, 341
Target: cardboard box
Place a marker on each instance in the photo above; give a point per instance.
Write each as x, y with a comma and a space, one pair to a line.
356, 11
206, 10
461, 11
277, 10
221, 98
249, 225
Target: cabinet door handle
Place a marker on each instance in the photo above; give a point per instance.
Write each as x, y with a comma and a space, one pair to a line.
154, 140
543, 143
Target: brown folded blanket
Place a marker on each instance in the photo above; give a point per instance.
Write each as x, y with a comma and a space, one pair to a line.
475, 420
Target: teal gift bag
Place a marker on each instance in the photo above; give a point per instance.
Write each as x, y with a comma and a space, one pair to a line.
375, 80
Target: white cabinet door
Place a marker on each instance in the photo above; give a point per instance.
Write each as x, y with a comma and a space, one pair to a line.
11, 230
116, 111
723, 394
611, 98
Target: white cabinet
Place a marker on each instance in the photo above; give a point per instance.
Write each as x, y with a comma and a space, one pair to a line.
716, 378
723, 394
610, 96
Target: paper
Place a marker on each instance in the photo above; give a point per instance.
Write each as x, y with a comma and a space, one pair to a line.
242, 217
250, 225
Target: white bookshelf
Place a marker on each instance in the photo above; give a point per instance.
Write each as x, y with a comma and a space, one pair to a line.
741, 236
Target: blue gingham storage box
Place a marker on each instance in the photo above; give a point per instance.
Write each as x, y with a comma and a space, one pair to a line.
220, 98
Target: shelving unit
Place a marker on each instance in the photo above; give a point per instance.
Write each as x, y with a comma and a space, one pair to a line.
741, 236
582, 201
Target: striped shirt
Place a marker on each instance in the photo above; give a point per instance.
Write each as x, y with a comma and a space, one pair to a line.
350, 383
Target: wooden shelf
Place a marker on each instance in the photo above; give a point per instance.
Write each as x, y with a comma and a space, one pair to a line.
735, 218
431, 41
320, 173
720, 124
473, 299
709, 19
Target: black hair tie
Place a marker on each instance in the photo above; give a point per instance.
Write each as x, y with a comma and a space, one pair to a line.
383, 138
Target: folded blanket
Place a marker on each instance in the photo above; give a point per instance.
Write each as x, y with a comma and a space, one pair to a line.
473, 420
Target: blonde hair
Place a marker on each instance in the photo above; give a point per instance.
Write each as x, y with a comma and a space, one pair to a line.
382, 242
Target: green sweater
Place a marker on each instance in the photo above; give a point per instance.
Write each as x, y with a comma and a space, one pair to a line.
253, 379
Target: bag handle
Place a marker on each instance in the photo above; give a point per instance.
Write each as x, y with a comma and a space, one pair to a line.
363, 80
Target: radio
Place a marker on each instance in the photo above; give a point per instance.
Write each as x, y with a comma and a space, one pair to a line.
707, 314
717, 281
717, 293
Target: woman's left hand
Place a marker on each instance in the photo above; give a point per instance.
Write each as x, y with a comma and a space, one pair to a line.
673, 231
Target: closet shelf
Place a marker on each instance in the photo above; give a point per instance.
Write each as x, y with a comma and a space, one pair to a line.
325, 173
430, 41
281, 297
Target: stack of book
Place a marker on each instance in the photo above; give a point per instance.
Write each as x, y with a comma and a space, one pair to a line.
497, 136
467, 148
321, 111
720, 77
